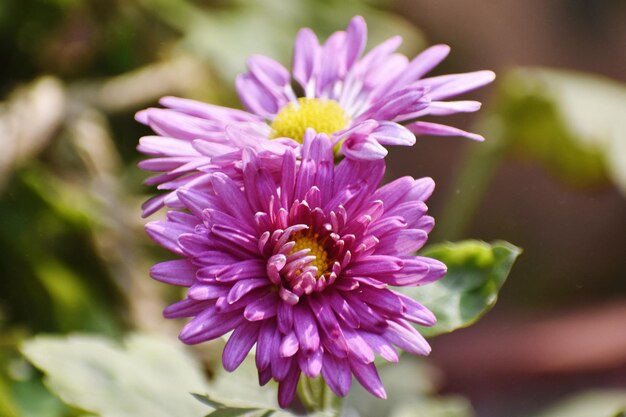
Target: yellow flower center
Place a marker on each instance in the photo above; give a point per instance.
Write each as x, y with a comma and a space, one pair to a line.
323, 115
307, 240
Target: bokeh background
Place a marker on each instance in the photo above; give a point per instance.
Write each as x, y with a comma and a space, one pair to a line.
551, 177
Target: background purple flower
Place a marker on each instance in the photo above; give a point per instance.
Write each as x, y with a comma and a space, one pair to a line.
379, 95
363, 103
302, 266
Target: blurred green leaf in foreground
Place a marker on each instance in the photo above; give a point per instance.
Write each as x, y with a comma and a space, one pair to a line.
146, 377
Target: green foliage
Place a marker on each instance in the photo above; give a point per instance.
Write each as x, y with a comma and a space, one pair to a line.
146, 377
7, 407
571, 122
225, 36
22, 393
45, 240
476, 272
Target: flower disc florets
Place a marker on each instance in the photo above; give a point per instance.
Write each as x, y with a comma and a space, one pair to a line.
323, 116
302, 264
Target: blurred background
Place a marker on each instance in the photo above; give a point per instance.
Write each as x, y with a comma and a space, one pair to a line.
551, 177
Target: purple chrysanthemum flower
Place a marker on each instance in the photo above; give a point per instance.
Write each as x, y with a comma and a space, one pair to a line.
302, 266
362, 103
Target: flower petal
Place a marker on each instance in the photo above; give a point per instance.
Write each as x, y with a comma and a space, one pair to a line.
435, 129
239, 344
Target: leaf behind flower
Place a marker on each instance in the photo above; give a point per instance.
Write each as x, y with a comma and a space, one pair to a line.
476, 272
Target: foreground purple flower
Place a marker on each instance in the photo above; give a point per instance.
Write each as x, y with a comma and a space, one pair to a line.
302, 266
363, 103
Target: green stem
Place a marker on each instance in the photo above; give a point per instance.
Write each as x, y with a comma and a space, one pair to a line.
317, 396
306, 394
329, 400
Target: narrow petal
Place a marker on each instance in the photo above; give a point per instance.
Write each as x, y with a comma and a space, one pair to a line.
336, 373
207, 291
289, 345
280, 364
287, 387
445, 108
244, 286
311, 365
195, 200
452, 85
256, 98
179, 272
390, 133
416, 312
263, 308
375, 264
186, 308
367, 375
305, 55
205, 110
359, 348
285, 317
268, 71
343, 309
363, 149
288, 178
332, 63
158, 145
419, 66
265, 376
356, 37
436, 129
209, 325
306, 329
406, 338
166, 234
381, 346
239, 344
264, 344
402, 242
333, 339
153, 204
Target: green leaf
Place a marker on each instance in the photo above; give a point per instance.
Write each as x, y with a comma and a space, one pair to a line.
240, 389
608, 403
231, 412
476, 272
147, 376
222, 410
572, 122
204, 399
